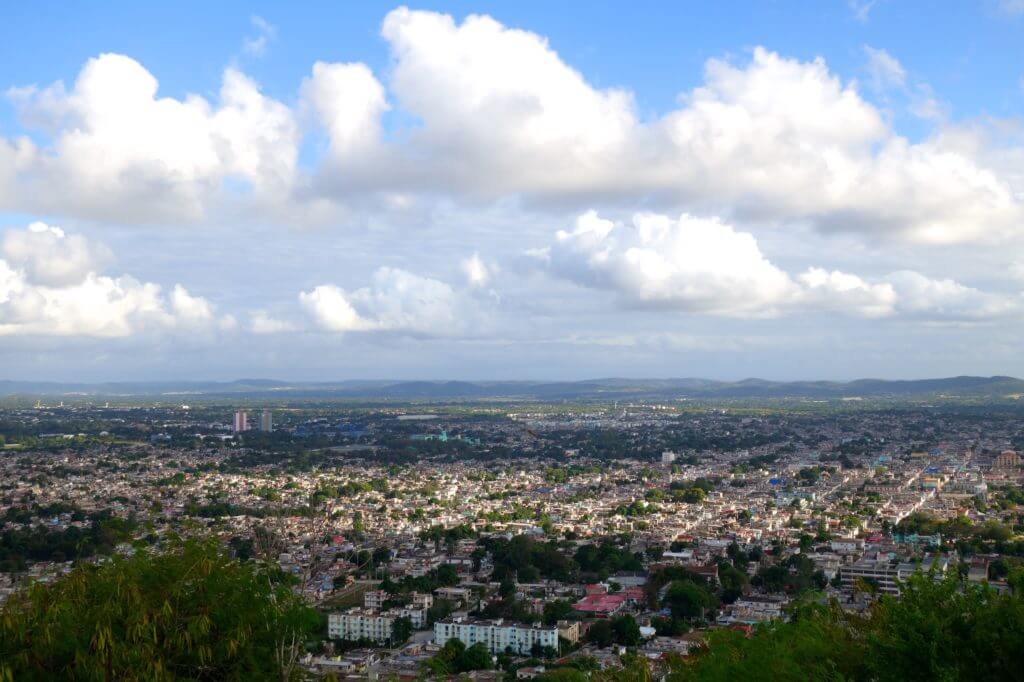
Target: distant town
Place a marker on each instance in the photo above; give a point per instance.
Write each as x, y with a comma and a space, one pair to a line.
548, 534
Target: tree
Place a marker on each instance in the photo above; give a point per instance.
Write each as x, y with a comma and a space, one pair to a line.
401, 630
557, 610
690, 496
538, 650
626, 631
476, 657
601, 634
689, 601
528, 574
933, 631
779, 578
668, 627
442, 663
441, 608
187, 612
447, 576
381, 556
454, 658
733, 581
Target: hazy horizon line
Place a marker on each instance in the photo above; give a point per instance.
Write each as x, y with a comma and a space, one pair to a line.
245, 379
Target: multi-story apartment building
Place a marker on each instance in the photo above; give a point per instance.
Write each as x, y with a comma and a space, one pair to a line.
357, 623
887, 573
374, 599
752, 610
883, 573
497, 635
417, 617
420, 600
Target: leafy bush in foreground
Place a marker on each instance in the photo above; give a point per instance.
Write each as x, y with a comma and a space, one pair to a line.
189, 613
935, 631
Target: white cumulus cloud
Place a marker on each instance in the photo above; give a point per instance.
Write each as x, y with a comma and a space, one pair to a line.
49, 287
397, 301
499, 113
695, 264
349, 100
479, 111
120, 151
484, 111
51, 257
703, 265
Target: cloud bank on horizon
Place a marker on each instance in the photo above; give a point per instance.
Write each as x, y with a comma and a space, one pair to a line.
482, 196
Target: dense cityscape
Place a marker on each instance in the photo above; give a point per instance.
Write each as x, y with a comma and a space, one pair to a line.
497, 341
501, 538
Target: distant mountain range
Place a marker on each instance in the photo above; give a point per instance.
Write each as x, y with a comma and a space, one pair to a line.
592, 389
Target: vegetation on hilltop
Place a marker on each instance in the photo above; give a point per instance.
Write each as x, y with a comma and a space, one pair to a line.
935, 631
186, 613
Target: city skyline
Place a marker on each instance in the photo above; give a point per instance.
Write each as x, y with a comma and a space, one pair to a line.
496, 191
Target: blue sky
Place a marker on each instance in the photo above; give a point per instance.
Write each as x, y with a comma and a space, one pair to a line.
971, 52
780, 189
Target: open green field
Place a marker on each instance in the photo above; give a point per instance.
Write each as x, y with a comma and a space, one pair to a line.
348, 597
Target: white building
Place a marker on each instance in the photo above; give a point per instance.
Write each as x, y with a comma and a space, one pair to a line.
241, 421
357, 623
887, 574
455, 594
421, 600
752, 610
374, 599
847, 545
497, 635
417, 617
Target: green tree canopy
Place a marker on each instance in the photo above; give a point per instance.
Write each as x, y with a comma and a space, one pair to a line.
935, 631
188, 612
454, 657
687, 600
626, 631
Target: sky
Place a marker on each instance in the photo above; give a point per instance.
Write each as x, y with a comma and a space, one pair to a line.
342, 190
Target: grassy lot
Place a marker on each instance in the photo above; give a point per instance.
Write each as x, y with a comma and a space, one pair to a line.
349, 596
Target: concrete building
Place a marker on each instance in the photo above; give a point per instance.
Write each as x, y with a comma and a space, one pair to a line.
420, 600
751, 610
357, 623
266, 421
884, 573
417, 617
888, 573
241, 421
497, 635
374, 599
569, 630
1007, 459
